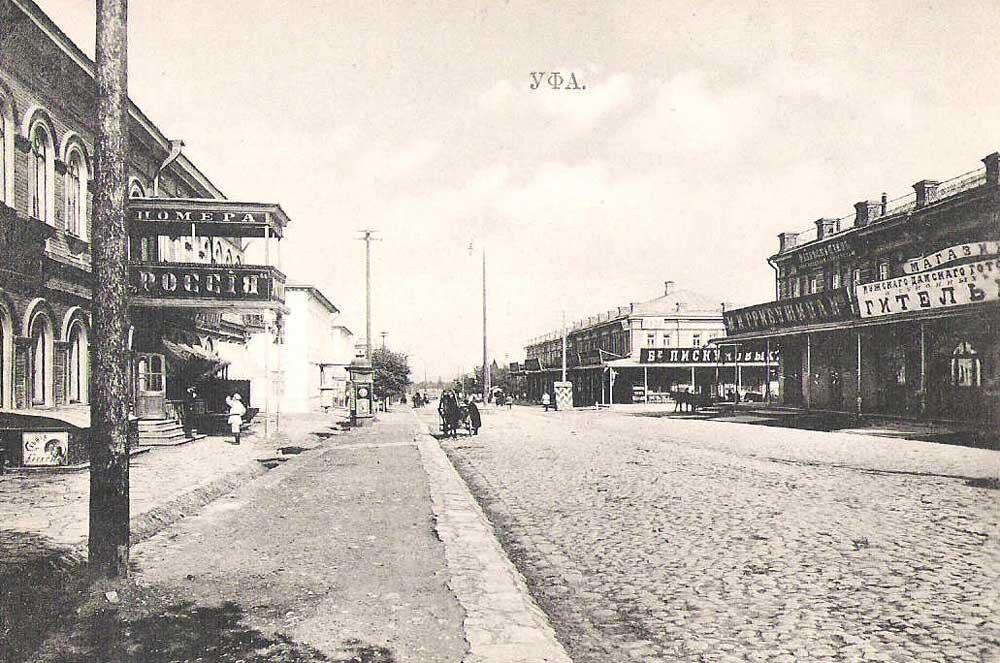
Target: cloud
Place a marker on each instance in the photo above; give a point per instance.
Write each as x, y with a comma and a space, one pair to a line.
387, 162
692, 113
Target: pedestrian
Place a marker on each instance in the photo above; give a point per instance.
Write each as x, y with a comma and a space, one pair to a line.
500, 399
546, 401
474, 418
236, 412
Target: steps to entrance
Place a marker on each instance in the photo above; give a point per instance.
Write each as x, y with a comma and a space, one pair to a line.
161, 432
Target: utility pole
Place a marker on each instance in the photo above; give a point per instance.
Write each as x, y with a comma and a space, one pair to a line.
486, 361
108, 544
564, 346
368, 237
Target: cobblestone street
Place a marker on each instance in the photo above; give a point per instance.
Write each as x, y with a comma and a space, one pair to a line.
658, 539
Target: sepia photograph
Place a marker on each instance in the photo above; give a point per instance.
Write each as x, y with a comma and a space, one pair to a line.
499, 331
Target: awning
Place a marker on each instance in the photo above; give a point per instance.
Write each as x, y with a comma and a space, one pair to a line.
192, 354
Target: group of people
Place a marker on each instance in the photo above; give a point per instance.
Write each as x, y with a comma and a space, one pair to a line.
454, 413
419, 400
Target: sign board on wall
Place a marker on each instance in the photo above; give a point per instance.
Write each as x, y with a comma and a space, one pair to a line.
829, 306
705, 355
974, 283
204, 217
40, 448
172, 284
950, 255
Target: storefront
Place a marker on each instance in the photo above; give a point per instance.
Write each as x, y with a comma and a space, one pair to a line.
917, 331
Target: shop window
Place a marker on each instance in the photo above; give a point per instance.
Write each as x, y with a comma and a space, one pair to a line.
966, 368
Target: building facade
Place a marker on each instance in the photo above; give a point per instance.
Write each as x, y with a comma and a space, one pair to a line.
894, 309
47, 136
642, 352
317, 352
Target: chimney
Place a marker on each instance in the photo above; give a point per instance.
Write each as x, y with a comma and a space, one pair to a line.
865, 212
787, 241
825, 227
992, 169
885, 203
667, 287
926, 191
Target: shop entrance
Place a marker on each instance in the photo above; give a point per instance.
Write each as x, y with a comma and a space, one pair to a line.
151, 386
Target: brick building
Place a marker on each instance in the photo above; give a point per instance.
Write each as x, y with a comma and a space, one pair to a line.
894, 309
47, 135
647, 349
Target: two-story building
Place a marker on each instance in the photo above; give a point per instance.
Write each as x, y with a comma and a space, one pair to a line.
193, 280
894, 309
641, 352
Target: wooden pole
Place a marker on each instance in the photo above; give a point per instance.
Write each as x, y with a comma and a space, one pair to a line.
486, 361
108, 544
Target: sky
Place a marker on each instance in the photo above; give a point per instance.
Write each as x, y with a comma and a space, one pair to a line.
704, 130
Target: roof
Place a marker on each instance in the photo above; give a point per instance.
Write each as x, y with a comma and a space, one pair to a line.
678, 301
315, 292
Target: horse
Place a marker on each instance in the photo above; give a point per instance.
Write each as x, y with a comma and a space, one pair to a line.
692, 400
451, 415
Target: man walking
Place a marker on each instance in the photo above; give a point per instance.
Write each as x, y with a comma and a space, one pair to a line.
546, 401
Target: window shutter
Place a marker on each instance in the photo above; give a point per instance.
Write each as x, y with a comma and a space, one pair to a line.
59, 374
21, 347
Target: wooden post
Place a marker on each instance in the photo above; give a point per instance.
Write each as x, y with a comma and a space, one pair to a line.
108, 544
923, 369
808, 371
859, 400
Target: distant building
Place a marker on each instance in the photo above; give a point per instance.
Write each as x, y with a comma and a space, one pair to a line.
647, 349
316, 352
894, 309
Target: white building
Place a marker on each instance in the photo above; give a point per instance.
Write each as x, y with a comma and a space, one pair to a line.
315, 353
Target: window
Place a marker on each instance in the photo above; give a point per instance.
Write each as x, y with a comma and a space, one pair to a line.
651, 340
78, 369
38, 179
857, 275
835, 280
76, 199
135, 190
229, 256
666, 340
696, 340
965, 366
883, 271
3, 152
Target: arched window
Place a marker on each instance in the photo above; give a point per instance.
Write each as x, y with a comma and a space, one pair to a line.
41, 360
217, 257
135, 190
229, 256
76, 196
966, 368
239, 260
78, 370
38, 172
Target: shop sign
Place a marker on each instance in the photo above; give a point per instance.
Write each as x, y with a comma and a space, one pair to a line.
975, 283
532, 364
236, 283
254, 321
40, 448
829, 306
823, 252
204, 216
513, 367
950, 255
590, 357
705, 355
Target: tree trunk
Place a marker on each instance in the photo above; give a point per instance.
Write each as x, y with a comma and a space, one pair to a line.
109, 487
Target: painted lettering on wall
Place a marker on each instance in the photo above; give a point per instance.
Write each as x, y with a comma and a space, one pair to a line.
974, 283
950, 255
